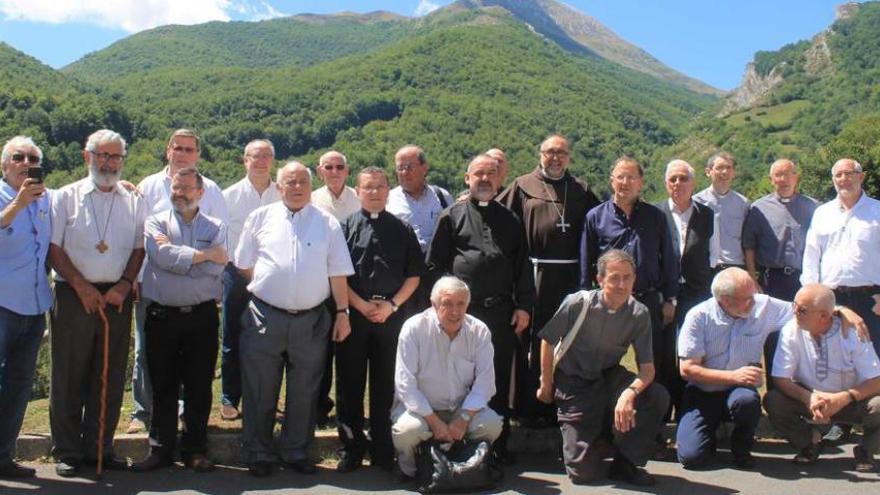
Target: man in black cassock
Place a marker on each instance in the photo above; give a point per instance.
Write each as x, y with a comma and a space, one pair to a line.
483, 243
388, 265
552, 204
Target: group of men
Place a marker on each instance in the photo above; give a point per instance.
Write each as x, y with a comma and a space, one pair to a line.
463, 312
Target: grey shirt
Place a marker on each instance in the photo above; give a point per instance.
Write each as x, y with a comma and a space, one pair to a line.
604, 337
730, 214
170, 277
776, 229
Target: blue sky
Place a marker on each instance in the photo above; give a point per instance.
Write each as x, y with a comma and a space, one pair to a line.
710, 40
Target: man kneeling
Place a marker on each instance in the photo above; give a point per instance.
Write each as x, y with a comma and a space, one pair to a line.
821, 377
589, 378
444, 376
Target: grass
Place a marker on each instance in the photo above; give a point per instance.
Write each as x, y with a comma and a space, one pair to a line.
777, 116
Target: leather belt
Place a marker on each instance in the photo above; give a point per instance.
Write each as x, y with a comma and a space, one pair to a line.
183, 309
293, 312
862, 289
490, 302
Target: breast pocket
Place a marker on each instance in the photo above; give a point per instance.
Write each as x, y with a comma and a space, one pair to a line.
464, 370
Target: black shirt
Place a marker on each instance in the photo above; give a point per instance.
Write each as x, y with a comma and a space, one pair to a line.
484, 244
384, 251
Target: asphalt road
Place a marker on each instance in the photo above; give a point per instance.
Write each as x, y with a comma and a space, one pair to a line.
533, 475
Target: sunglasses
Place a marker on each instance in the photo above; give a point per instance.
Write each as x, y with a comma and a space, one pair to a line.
20, 157
338, 168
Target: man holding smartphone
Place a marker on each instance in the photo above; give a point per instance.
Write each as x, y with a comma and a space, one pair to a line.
25, 230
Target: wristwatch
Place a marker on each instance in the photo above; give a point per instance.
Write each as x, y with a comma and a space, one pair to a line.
342, 310
465, 416
394, 306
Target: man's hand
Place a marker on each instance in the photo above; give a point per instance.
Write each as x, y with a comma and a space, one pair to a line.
545, 392
365, 308
382, 310
624, 412
161, 239
29, 191
439, 428
827, 404
342, 327
520, 321
128, 186
217, 254
89, 296
117, 294
849, 319
668, 312
748, 376
458, 428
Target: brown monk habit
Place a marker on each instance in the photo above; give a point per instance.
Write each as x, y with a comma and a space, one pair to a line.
540, 202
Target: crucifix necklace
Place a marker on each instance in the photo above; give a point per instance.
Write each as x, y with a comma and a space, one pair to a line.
102, 246
561, 212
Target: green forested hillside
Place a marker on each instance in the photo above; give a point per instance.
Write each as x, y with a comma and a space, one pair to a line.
476, 80
827, 106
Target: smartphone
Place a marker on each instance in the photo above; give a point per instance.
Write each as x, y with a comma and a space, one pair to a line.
35, 173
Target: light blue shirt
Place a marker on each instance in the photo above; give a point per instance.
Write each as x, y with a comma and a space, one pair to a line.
727, 343
420, 213
24, 243
170, 277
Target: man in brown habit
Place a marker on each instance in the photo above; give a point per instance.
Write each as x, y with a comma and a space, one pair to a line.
552, 204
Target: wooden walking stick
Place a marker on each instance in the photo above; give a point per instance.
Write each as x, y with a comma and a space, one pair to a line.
102, 410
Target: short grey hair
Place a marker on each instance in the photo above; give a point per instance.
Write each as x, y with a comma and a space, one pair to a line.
728, 280
104, 136
332, 153
16, 142
192, 171
721, 155
676, 163
781, 161
421, 156
483, 156
857, 167
823, 299
449, 285
614, 256
292, 166
260, 141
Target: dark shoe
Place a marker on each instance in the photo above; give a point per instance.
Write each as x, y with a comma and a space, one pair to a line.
503, 457
302, 466
151, 463
864, 461
603, 448
384, 463
623, 470
809, 454
13, 469
348, 462
110, 463
67, 468
199, 463
744, 460
260, 469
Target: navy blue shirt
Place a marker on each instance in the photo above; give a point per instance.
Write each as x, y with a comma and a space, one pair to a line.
644, 235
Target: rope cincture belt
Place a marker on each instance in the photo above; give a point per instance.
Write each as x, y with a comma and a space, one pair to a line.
541, 261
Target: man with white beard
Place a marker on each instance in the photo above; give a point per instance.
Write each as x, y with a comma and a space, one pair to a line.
96, 250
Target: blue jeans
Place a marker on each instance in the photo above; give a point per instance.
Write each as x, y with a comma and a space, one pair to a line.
20, 338
235, 301
141, 389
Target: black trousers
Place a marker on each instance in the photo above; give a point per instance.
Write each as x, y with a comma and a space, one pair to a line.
369, 346
504, 340
181, 350
325, 403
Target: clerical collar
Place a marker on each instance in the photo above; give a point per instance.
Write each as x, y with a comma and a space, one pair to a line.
481, 204
785, 200
551, 179
370, 214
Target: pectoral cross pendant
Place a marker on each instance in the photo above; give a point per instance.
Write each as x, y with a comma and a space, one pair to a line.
102, 246
562, 224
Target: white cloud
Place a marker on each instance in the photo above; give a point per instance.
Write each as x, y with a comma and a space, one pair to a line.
426, 7
135, 15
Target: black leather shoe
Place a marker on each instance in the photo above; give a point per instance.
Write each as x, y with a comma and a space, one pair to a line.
67, 468
260, 469
348, 462
110, 463
384, 463
302, 466
503, 457
13, 469
623, 470
152, 463
743, 460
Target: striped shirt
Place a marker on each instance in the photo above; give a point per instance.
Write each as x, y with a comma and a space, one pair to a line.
727, 343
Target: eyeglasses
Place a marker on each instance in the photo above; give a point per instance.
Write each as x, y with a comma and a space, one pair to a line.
554, 152
20, 157
328, 167
407, 167
678, 178
107, 157
802, 310
183, 189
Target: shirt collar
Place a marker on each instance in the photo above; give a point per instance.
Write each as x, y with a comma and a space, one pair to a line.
862, 200
674, 208
89, 186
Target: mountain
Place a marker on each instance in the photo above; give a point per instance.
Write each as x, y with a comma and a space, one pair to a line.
578, 32
457, 82
813, 100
